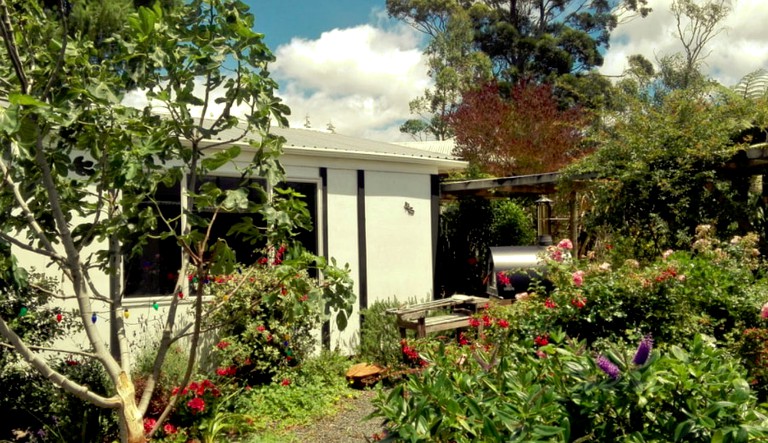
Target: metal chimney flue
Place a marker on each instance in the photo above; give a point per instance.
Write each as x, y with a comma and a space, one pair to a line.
543, 219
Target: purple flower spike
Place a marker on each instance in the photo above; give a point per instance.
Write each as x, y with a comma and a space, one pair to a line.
608, 367
643, 350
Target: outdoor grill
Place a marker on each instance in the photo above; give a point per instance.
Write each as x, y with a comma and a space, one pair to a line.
523, 264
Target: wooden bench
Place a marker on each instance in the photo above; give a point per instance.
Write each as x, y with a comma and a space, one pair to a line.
415, 317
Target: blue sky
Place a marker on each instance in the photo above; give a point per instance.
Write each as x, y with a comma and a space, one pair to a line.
281, 20
345, 63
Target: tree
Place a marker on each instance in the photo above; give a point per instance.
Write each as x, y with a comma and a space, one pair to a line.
658, 170
697, 24
454, 66
80, 169
528, 39
524, 134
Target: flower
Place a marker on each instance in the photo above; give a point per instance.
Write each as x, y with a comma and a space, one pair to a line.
222, 344
261, 328
463, 339
643, 350
503, 279
522, 296
149, 423
285, 382
196, 405
504, 324
764, 311
578, 278
541, 340
579, 302
473, 322
226, 372
565, 244
169, 429
608, 367
605, 267
549, 303
487, 321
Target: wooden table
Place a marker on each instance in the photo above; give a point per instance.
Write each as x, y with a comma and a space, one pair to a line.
416, 316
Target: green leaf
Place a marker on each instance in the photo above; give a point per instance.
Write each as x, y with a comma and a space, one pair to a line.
25, 100
220, 158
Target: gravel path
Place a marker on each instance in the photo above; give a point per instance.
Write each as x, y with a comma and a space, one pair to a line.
348, 425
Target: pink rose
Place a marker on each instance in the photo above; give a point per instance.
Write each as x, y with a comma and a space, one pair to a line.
578, 278
565, 244
764, 311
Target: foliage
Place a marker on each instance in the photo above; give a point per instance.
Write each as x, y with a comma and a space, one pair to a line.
379, 335
266, 314
525, 134
526, 389
658, 175
467, 229
79, 167
298, 395
528, 39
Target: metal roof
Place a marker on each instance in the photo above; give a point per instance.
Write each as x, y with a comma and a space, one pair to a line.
306, 138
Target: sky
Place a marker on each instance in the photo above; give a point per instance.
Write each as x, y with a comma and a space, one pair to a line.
344, 62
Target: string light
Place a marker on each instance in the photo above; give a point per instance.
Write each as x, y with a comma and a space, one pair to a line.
59, 317
155, 306
181, 294
126, 313
94, 318
23, 311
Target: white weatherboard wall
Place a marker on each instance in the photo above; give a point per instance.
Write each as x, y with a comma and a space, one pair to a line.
342, 244
399, 245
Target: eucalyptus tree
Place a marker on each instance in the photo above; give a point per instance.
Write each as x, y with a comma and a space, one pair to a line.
79, 166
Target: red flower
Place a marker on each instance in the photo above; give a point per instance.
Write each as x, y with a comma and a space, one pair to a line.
463, 339
175, 390
169, 429
222, 344
196, 405
487, 321
549, 303
504, 324
473, 322
261, 328
304, 297
149, 423
579, 302
541, 340
285, 382
226, 372
263, 260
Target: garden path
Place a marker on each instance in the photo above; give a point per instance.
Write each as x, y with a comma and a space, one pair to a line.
348, 425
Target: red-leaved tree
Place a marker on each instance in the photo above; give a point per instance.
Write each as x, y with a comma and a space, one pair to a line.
526, 133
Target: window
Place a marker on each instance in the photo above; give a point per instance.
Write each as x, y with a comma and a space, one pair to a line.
154, 270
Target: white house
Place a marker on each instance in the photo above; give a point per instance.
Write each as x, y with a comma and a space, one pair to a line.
374, 206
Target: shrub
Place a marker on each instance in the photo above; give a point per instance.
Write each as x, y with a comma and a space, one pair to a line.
529, 390
265, 315
379, 336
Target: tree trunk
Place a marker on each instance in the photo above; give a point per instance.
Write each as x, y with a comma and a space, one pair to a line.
131, 423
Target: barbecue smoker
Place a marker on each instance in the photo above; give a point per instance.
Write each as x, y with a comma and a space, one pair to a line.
523, 264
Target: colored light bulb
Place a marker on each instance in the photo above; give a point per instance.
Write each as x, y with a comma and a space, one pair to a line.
126, 313
23, 311
155, 306
94, 318
181, 294
59, 317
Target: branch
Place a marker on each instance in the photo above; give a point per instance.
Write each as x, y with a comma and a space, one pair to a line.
6, 31
43, 348
80, 391
36, 228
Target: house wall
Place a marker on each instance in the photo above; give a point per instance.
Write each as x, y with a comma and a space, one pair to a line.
397, 261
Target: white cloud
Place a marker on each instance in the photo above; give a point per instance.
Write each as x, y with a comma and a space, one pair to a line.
359, 79
738, 50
